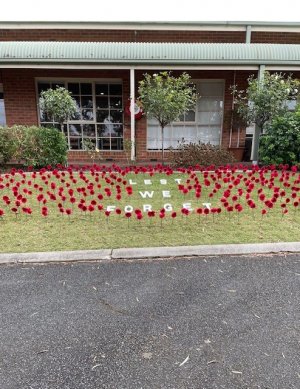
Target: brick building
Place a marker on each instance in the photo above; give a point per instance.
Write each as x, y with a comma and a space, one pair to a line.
101, 64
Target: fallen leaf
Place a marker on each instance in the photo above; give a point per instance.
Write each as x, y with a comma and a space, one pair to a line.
147, 355
213, 361
185, 361
94, 367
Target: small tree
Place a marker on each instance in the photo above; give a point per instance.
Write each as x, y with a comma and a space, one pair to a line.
165, 98
58, 104
265, 99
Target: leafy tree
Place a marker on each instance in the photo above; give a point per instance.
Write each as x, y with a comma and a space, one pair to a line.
165, 98
265, 99
58, 104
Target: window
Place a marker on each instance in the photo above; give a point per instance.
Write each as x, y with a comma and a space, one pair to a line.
99, 116
204, 124
2, 108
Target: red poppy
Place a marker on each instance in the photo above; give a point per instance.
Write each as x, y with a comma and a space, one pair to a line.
185, 211
118, 211
45, 211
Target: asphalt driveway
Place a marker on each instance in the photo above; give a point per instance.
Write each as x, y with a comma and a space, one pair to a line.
215, 322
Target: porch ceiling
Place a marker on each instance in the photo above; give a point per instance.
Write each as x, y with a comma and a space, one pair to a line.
134, 54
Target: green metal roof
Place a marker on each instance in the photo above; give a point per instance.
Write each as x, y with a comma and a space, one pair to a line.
148, 53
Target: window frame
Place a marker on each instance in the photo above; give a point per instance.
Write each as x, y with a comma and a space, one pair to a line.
4, 112
196, 124
81, 122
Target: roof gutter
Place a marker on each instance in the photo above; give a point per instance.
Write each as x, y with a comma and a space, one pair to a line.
158, 62
153, 25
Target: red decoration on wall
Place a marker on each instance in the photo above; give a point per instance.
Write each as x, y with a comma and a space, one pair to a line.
138, 112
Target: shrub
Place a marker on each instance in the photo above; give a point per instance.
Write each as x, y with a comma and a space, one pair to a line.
192, 154
8, 145
281, 142
43, 146
32, 146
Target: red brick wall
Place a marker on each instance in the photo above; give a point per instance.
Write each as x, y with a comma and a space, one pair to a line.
122, 36
19, 97
275, 37
148, 36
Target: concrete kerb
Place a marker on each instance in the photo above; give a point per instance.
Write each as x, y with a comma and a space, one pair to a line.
56, 256
149, 253
205, 250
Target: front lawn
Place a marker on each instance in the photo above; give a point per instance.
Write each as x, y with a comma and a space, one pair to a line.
65, 210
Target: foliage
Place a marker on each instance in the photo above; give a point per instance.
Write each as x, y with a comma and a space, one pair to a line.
190, 154
43, 146
264, 100
281, 142
8, 145
58, 104
165, 98
128, 144
92, 150
33, 146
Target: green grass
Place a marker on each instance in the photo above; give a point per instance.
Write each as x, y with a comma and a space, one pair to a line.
25, 233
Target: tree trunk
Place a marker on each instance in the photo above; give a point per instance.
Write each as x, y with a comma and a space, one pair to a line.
162, 146
255, 145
